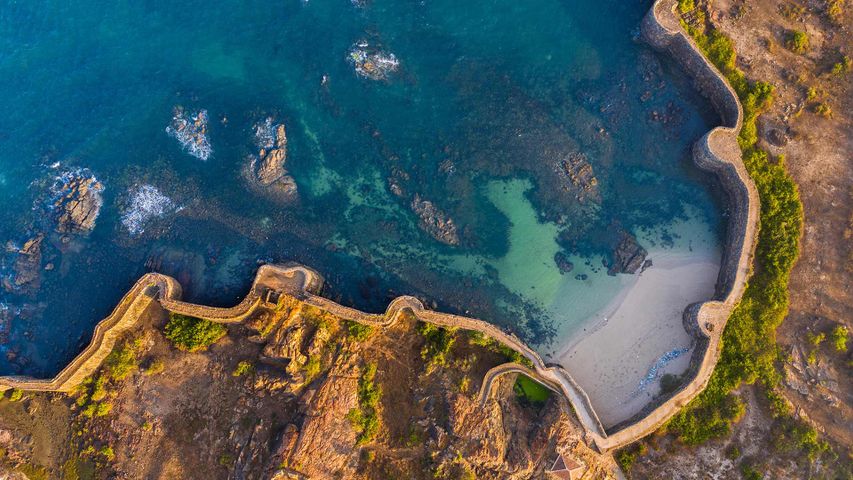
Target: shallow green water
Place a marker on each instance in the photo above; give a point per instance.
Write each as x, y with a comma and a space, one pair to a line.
486, 100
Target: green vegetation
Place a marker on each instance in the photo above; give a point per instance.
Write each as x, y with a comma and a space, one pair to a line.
823, 109
94, 392
748, 343
107, 452
121, 362
489, 343
839, 338
312, 368
792, 435
192, 334
15, 394
358, 331
792, 11
797, 41
437, 343
154, 367
843, 66
243, 368
530, 392
628, 455
834, 10
749, 472
365, 418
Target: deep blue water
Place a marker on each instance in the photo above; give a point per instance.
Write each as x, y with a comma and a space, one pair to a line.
484, 102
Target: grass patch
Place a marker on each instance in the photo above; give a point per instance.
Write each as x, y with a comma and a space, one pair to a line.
437, 343
797, 41
192, 334
365, 418
16, 394
357, 331
530, 392
243, 368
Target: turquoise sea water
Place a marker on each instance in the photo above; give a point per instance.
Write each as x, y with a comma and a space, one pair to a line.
480, 104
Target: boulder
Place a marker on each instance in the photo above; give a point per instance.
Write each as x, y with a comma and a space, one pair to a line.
628, 256
563, 263
435, 222
78, 204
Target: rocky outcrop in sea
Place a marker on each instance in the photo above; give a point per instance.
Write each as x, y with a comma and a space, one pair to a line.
435, 222
190, 130
371, 62
266, 172
77, 201
628, 256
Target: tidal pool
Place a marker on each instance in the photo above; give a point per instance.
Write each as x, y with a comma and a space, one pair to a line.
440, 149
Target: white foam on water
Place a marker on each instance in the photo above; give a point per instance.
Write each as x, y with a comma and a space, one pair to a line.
146, 204
191, 132
372, 63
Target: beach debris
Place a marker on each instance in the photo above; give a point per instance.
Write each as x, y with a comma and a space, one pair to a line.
145, 204
435, 222
654, 372
190, 130
76, 201
266, 171
371, 62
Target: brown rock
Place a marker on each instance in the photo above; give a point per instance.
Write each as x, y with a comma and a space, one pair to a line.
434, 221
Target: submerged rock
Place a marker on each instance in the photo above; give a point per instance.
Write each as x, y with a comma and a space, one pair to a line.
372, 63
266, 171
578, 176
78, 201
563, 263
434, 221
190, 130
26, 270
628, 256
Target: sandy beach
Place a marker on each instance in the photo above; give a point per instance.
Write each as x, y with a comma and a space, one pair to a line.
625, 343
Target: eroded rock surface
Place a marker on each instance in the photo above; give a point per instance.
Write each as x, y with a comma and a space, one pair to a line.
628, 256
78, 202
266, 172
435, 222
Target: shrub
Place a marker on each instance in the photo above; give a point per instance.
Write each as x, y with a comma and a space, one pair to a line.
192, 334
312, 368
365, 418
121, 362
107, 452
842, 67
15, 394
797, 41
839, 338
358, 331
815, 339
823, 109
243, 368
437, 344
156, 366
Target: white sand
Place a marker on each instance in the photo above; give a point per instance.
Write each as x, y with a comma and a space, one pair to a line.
642, 324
